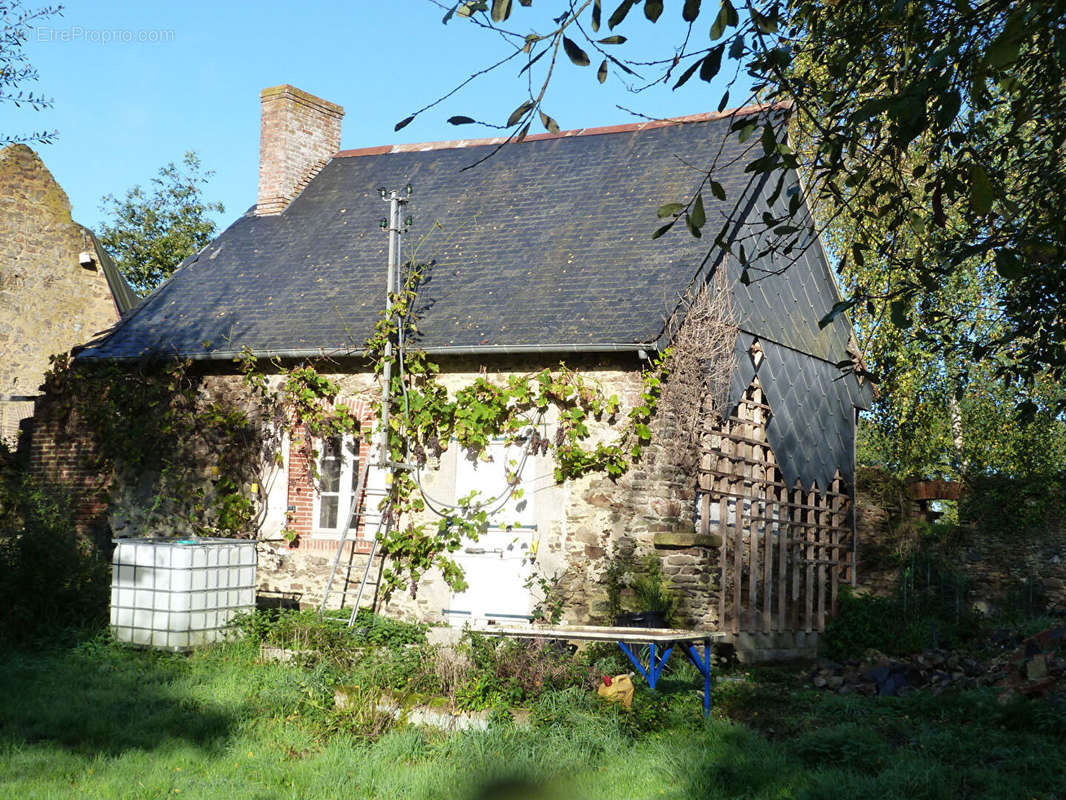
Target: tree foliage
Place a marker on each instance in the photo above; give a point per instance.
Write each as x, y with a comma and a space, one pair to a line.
933, 129
15, 68
150, 233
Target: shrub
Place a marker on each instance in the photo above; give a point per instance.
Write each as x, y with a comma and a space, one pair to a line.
511, 671
861, 622
49, 577
638, 584
930, 606
329, 635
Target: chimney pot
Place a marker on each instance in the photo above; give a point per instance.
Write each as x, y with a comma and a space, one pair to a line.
298, 134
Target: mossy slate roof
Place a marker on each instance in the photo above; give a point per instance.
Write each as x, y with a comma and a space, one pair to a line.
544, 244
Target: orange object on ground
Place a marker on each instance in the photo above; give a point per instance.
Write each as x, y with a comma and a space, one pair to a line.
619, 690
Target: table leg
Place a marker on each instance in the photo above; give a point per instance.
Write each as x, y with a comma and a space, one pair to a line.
635, 660
704, 666
656, 662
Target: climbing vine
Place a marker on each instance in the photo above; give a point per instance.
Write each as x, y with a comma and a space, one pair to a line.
425, 420
158, 428
154, 430
192, 456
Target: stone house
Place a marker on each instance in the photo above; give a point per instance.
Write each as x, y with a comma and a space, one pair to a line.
58, 287
540, 253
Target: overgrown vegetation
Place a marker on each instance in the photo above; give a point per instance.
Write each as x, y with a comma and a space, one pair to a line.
932, 605
636, 585
189, 455
478, 673
1028, 506
101, 721
49, 578
551, 410
1006, 527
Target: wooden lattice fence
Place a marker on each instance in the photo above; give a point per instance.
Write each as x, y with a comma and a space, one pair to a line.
785, 549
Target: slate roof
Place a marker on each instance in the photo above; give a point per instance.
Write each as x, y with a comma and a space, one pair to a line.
812, 406
546, 245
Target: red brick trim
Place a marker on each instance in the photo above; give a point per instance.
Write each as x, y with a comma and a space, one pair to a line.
537, 137
300, 508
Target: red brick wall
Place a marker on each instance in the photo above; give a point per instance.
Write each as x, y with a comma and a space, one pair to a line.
298, 134
61, 457
301, 492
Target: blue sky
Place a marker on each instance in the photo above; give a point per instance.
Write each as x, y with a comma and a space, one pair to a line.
135, 85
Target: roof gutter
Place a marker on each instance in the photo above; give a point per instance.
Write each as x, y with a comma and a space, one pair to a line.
443, 350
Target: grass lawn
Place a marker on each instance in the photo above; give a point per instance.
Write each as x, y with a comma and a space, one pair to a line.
99, 721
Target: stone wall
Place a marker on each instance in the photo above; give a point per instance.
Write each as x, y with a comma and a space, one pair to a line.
886, 527
1016, 568
60, 458
1000, 562
49, 302
581, 525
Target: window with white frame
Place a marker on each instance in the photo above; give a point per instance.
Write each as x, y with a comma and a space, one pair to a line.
339, 467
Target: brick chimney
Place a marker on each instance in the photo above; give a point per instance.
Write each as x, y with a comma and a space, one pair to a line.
298, 134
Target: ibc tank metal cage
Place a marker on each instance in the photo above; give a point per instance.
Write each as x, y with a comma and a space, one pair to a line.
177, 594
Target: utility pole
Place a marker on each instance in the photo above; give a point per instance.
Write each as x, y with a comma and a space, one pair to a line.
396, 225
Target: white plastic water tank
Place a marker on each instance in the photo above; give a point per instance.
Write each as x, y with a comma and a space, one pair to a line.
176, 594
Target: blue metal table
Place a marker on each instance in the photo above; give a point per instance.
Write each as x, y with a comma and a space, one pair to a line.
660, 641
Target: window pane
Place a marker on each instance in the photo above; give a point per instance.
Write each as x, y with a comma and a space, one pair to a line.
338, 479
327, 515
329, 469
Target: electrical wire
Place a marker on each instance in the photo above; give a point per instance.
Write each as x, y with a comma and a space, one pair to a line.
436, 506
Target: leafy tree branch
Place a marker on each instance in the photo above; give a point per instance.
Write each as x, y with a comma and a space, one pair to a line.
934, 130
149, 233
16, 71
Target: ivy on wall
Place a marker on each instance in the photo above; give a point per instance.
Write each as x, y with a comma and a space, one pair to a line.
196, 451
425, 420
194, 455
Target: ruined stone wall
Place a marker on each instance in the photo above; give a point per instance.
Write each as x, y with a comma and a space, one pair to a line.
886, 525
1000, 562
1017, 568
48, 301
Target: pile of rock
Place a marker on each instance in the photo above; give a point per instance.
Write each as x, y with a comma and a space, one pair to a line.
1038, 666
1032, 666
878, 674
